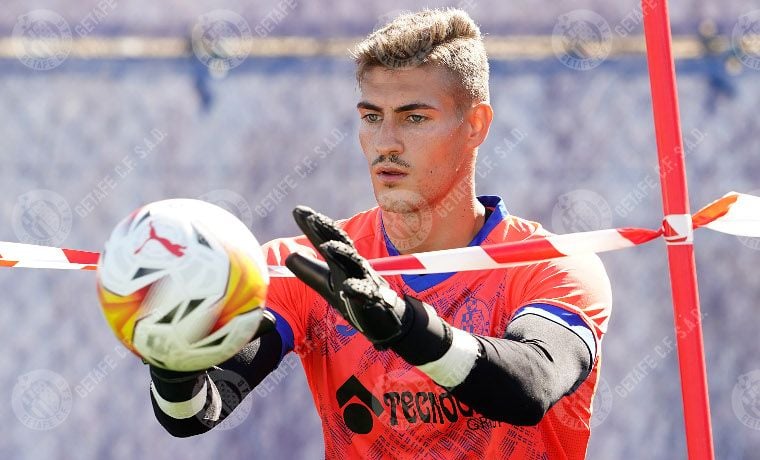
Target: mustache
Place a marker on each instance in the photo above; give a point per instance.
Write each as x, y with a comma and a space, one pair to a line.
390, 159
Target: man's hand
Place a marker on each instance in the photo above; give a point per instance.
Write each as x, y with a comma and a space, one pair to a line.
348, 283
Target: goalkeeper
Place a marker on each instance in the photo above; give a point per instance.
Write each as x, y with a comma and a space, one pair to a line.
487, 364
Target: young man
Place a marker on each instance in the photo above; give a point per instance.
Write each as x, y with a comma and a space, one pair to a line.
453, 365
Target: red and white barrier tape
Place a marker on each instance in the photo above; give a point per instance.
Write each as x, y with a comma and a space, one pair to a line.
734, 213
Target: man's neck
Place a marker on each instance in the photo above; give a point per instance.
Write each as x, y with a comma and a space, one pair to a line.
450, 223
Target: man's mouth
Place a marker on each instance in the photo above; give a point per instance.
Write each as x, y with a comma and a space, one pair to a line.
386, 174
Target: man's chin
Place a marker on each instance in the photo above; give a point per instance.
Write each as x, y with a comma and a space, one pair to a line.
400, 200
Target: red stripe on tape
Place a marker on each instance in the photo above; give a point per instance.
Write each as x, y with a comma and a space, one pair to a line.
523, 251
81, 257
396, 263
713, 211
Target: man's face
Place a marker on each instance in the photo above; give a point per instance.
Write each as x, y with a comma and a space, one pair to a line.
412, 136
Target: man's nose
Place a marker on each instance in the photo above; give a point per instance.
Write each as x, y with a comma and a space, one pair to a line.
388, 141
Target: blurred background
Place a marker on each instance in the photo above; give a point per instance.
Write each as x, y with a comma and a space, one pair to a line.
107, 105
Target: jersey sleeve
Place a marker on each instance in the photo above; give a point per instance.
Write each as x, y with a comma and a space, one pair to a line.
288, 298
573, 292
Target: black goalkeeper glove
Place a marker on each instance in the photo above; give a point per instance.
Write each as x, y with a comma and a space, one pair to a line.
362, 297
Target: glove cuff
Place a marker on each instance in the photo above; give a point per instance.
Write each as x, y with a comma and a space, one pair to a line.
175, 386
428, 337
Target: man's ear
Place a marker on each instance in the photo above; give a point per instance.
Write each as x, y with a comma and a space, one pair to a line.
479, 118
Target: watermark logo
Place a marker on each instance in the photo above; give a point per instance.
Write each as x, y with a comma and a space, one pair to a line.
233, 389
42, 217
581, 39
221, 40
412, 218
42, 39
568, 414
41, 399
745, 39
745, 399
231, 201
581, 211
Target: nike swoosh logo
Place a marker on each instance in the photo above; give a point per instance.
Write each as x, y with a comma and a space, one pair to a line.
345, 331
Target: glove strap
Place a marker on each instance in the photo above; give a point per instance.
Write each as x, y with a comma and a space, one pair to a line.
428, 337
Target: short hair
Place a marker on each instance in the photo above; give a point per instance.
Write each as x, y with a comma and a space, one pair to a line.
447, 38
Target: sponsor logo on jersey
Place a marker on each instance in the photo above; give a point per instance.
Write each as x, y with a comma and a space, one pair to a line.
399, 408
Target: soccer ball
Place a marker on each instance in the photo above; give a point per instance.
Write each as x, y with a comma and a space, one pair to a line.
182, 283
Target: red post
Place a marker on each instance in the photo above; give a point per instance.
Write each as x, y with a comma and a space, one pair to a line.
675, 200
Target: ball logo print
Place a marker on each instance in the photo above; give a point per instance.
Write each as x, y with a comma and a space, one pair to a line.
42, 217
176, 249
231, 201
42, 39
745, 39
581, 39
358, 416
221, 40
581, 211
417, 218
41, 399
745, 399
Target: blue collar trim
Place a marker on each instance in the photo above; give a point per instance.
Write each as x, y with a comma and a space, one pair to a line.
421, 282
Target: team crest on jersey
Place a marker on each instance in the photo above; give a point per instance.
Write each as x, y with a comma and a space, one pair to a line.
473, 316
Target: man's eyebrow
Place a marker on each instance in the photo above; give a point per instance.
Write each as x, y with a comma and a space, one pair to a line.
404, 108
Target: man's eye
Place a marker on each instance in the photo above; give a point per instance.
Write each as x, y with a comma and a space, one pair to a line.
371, 117
416, 118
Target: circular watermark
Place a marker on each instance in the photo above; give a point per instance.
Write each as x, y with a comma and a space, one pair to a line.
745, 399
745, 39
221, 40
42, 217
581, 39
41, 39
581, 211
233, 389
569, 410
41, 399
412, 218
400, 388
231, 201
751, 242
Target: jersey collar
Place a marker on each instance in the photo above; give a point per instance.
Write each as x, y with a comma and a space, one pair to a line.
421, 282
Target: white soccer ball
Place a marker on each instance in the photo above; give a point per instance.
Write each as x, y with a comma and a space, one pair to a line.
182, 283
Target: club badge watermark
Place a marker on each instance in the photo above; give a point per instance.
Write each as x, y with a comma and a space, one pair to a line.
41, 399
412, 221
42, 217
581, 211
567, 413
221, 40
233, 389
751, 242
745, 39
231, 201
745, 399
41, 39
581, 39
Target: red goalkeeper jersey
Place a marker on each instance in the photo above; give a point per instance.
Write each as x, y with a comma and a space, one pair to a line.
375, 405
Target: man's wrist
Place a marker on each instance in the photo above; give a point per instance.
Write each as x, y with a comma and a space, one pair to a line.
428, 337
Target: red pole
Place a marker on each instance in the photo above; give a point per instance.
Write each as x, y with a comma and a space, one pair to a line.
675, 200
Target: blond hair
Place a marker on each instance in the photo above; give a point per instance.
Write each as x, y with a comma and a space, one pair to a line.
447, 38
